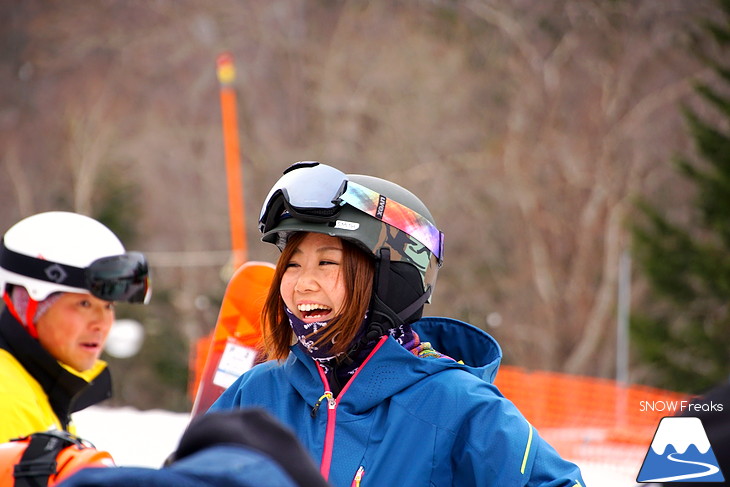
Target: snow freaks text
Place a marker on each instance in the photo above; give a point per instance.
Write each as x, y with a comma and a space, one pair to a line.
679, 406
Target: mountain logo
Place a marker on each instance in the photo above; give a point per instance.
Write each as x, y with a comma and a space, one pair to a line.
679, 452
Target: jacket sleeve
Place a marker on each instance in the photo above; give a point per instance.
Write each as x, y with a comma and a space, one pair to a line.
497, 446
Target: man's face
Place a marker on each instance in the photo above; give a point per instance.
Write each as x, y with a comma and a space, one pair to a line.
75, 328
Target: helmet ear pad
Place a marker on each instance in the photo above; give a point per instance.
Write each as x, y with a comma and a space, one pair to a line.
396, 286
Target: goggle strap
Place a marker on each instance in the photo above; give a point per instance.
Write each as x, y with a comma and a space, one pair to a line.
42, 270
375, 204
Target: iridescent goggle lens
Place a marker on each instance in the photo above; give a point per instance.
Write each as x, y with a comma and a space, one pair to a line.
314, 192
396, 215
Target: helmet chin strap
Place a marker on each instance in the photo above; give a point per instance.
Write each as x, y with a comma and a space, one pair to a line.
381, 315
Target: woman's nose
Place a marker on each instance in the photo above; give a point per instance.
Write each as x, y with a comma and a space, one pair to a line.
305, 282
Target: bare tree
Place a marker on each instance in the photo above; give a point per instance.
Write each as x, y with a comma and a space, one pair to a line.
526, 127
581, 136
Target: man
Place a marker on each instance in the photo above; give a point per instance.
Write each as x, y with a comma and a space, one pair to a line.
60, 274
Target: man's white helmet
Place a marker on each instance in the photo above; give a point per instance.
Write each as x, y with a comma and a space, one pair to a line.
67, 252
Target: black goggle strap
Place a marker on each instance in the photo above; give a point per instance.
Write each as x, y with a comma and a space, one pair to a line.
42, 270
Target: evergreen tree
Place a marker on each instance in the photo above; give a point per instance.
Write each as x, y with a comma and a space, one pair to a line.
685, 334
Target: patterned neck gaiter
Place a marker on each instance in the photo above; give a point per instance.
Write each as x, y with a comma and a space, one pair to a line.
307, 335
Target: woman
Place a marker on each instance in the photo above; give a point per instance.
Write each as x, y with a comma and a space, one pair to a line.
377, 394
60, 274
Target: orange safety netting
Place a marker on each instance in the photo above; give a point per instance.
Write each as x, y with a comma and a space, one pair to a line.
588, 419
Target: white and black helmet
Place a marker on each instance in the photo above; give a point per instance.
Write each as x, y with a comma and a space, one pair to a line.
67, 252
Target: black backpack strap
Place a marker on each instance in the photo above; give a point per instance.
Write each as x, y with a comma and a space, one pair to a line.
38, 462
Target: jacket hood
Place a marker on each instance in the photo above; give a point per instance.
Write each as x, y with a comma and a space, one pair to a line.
390, 368
479, 353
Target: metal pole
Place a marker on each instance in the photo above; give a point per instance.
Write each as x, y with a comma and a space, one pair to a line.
622, 336
624, 307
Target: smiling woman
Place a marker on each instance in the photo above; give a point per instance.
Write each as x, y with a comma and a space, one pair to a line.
60, 274
313, 281
358, 373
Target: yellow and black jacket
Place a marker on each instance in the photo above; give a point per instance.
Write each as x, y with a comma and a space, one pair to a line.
37, 393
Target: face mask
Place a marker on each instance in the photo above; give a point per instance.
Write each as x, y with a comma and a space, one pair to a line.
307, 335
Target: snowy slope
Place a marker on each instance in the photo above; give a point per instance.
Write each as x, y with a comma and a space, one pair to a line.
133, 437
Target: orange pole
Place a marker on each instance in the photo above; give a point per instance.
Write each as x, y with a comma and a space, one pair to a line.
226, 77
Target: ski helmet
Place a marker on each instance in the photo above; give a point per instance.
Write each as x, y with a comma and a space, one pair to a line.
46, 459
384, 219
60, 251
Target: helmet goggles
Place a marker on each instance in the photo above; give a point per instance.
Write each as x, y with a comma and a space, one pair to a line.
122, 277
314, 192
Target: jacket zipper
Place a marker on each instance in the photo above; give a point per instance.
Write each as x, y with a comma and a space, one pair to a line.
329, 435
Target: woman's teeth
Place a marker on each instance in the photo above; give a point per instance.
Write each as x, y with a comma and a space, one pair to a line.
313, 310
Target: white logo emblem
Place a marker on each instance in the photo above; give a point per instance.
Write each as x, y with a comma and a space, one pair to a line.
679, 452
343, 225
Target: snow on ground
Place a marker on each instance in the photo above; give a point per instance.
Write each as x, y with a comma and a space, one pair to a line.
133, 437
146, 438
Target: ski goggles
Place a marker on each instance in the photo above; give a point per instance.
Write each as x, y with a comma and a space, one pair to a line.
116, 278
120, 278
314, 192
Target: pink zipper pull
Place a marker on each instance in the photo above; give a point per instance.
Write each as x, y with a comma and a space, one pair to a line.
358, 476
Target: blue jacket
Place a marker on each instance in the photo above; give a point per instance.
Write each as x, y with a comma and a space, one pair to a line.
405, 421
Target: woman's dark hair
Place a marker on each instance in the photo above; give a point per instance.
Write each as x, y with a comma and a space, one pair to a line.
358, 271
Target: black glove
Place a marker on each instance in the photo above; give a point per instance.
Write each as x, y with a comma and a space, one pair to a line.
257, 430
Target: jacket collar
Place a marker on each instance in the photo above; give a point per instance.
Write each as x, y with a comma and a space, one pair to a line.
391, 368
67, 390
